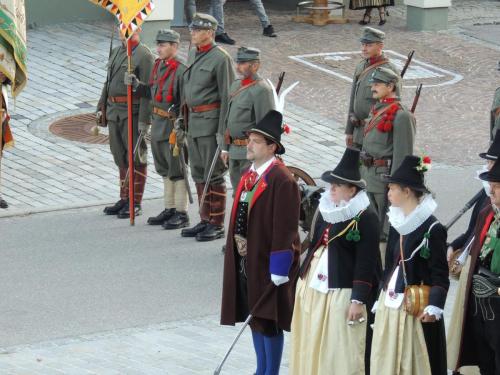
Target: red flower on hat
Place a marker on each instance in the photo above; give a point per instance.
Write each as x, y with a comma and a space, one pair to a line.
286, 129
426, 159
424, 164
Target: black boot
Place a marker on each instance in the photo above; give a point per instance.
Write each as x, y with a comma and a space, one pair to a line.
3, 203
115, 209
211, 232
224, 38
269, 31
192, 232
125, 211
179, 220
163, 217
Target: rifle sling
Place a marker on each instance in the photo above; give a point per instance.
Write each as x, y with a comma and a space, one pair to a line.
371, 67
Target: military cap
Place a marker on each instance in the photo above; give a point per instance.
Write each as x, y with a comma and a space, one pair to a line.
166, 35
204, 22
371, 35
247, 54
384, 75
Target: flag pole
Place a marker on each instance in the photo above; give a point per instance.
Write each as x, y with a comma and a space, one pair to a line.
131, 167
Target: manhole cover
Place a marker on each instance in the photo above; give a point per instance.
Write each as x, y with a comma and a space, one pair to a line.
79, 128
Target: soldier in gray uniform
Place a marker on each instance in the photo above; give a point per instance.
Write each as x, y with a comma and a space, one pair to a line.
206, 84
250, 99
164, 89
113, 107
361, 101
389, 135
495, 111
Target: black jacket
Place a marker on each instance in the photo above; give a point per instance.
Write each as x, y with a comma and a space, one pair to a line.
432, 271
355, 265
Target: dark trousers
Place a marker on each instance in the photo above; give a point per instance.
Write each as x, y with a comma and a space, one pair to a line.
485, 316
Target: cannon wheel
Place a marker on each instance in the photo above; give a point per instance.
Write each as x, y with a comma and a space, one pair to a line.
301, 176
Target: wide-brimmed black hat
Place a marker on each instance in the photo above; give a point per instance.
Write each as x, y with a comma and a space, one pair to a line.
271, 127
493, 175
494, 151
346, 171
410, 174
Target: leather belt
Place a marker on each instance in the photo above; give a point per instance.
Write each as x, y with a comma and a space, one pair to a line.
204, 107
163, 113
239, 141
358, 122
121, 99
370, 161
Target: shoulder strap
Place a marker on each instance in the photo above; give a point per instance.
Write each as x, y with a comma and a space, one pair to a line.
374, 119
371, 67
243, 88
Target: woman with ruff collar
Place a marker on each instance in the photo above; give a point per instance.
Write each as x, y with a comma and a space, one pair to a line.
338, 279
409, 336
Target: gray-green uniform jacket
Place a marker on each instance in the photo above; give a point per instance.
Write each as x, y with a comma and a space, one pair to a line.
247, 106
207, 80
495, 120
393, 145
361, 100
142, 64
165, 163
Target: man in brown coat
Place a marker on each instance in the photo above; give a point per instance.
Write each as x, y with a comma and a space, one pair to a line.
261, 260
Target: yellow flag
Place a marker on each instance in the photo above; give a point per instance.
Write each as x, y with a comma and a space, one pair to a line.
130, 13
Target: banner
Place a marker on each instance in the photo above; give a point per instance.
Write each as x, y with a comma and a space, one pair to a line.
130, 13
13, 52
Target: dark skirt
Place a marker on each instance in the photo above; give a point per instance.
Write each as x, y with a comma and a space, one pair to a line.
363, 4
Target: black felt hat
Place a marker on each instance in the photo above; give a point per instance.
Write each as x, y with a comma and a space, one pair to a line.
410, 173
493, 175
271, 127
494, 151
347, 171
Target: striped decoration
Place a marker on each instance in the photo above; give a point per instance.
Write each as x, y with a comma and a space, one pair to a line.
130, 13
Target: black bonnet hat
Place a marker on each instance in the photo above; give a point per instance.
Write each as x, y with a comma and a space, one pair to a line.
347, 171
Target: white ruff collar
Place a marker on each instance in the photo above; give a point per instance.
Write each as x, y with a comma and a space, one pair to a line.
407, 224
333, 213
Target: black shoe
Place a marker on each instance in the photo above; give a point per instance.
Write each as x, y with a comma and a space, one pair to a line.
269, 31
192, 232
224, 38
177, 221
211, 232
3, 203
165, 215
366, 19
115, 209
125, 211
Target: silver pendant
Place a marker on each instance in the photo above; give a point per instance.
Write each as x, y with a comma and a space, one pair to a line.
243, 196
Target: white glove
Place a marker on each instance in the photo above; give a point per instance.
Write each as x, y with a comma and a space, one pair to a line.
278, 280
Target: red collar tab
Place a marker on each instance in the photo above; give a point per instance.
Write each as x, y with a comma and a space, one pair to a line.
246, 81
388, 100
373, 60
205, 48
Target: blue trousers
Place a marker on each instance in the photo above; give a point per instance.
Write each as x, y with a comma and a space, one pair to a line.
268, 350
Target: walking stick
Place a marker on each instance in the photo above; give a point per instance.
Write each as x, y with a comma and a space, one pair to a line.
136, 148
130, 138
465, 208
266, 293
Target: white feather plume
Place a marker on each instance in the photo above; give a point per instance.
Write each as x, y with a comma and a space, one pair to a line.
279, 101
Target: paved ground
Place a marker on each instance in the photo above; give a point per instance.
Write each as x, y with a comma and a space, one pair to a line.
69, 302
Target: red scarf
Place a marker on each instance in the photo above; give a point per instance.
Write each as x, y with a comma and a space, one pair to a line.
204, 48
246, 81
171, 68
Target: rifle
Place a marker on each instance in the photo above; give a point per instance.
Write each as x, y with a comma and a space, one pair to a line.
407, 64
280, 82
415, 99
465, 208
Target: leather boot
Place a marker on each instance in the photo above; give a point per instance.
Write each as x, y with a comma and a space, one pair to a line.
215, 228
125, 211
179, 220
163, 217
204, 213
115, 209
140, 175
